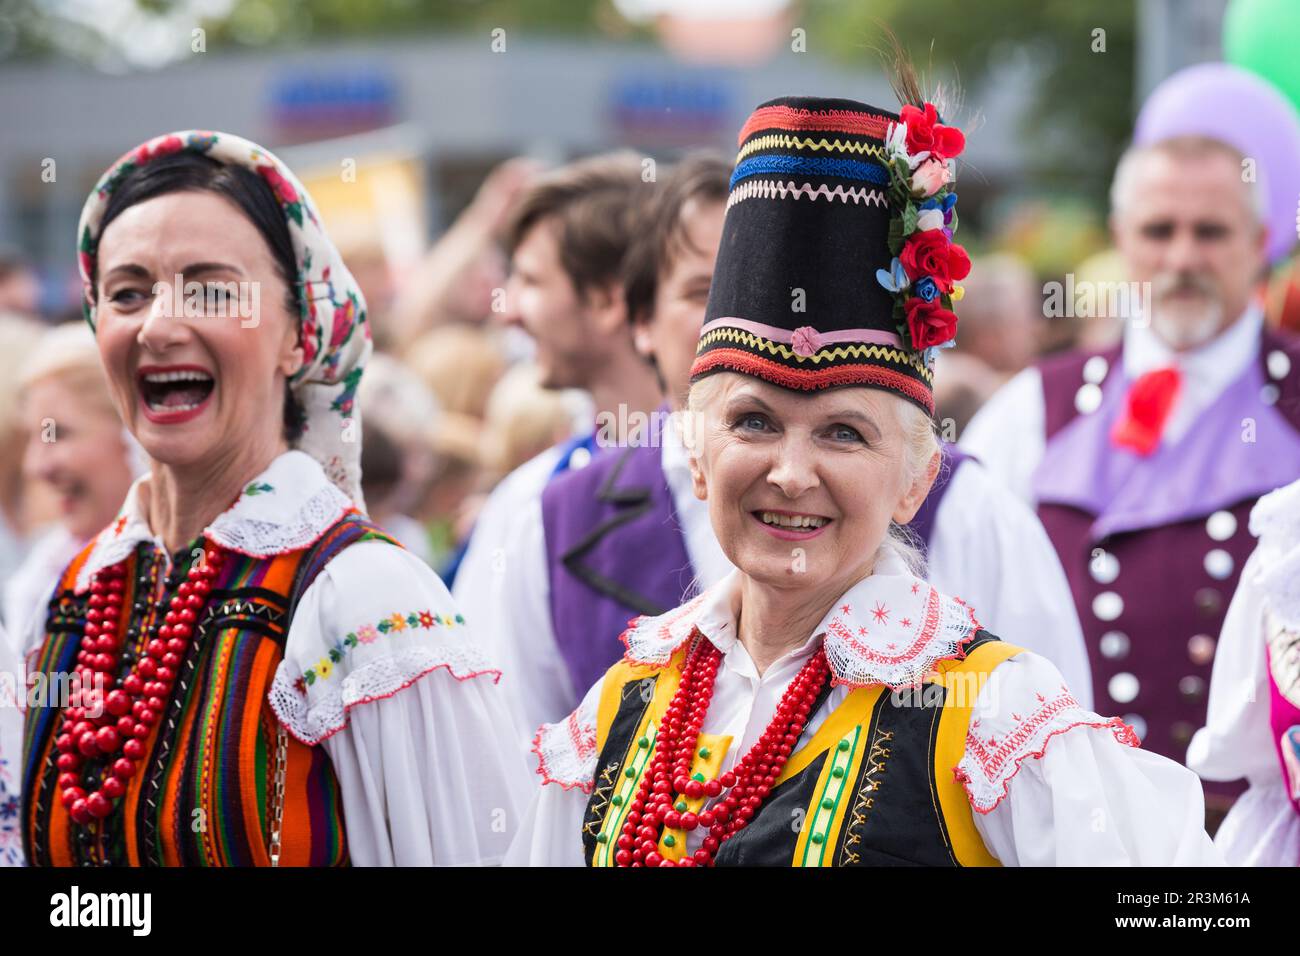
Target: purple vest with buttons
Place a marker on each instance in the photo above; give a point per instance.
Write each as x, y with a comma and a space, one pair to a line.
1152, 546
614, 550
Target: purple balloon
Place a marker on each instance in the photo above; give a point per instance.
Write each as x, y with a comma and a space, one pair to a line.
1234, 106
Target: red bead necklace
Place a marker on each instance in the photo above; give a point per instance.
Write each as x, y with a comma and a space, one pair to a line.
120, 722
668, 779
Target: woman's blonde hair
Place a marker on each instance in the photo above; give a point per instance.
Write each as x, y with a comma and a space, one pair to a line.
921, 445
68, 352
522, 420
460, 364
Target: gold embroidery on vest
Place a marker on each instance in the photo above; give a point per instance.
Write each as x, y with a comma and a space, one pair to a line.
596, 812
877, 755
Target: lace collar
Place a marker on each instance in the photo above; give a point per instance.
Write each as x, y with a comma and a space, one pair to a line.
1275, 520
890, 628
285, 508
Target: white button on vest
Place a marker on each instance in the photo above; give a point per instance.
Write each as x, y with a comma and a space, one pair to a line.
1087, 399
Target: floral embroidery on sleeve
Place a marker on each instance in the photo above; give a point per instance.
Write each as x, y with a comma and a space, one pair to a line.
368, 634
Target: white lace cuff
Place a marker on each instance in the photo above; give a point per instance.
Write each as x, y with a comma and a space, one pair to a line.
1013, 722
566, 751
318, 716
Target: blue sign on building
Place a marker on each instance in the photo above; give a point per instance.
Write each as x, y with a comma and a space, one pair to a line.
333, 101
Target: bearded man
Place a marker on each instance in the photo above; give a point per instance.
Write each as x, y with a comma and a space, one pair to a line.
1144, 460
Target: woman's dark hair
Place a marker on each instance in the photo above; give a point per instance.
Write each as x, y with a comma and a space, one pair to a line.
193, 172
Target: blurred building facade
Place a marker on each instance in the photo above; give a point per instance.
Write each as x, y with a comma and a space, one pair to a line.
453, 103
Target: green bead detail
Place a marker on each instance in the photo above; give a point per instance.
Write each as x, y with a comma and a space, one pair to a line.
680, 806
698, 776
818, 838
643, 742
629, 773
844, 745
602, 837
828, 804
617, 799
705, 753
837, 772
670, 840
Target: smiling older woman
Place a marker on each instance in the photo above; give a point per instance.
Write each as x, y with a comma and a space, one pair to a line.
824, 705
273, 679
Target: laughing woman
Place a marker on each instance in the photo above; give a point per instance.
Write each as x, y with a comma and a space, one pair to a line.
824, 705
280, 683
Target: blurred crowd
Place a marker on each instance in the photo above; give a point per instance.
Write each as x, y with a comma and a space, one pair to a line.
476, 372
473, 376
481, 365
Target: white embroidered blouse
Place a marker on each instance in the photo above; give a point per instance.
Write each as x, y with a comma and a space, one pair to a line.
1050, 782
1259, 635
411, 716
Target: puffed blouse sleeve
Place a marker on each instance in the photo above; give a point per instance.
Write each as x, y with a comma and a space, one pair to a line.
565, 757
1053, 784
383, 671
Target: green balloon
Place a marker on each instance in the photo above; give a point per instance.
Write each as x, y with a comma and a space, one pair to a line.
1263, 36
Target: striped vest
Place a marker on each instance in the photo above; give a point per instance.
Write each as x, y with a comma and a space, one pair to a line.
203, 792
874, 785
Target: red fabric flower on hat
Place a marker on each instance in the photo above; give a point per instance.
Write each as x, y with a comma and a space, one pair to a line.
931, 253
929, 323
925, 132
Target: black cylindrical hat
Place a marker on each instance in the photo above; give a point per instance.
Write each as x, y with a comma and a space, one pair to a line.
837, 265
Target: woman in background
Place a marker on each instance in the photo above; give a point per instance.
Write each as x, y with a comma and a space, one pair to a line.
77, 449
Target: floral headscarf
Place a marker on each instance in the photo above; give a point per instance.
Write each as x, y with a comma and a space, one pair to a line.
333, 331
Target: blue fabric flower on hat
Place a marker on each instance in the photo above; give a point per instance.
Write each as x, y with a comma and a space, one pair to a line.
926, 288
895, 280
945, 204
927, 355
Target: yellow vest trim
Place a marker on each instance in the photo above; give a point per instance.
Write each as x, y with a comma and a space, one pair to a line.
963, 680
618, 677
825, 817
621, 800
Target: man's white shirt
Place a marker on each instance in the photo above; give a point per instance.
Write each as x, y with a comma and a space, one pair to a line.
1007, 434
